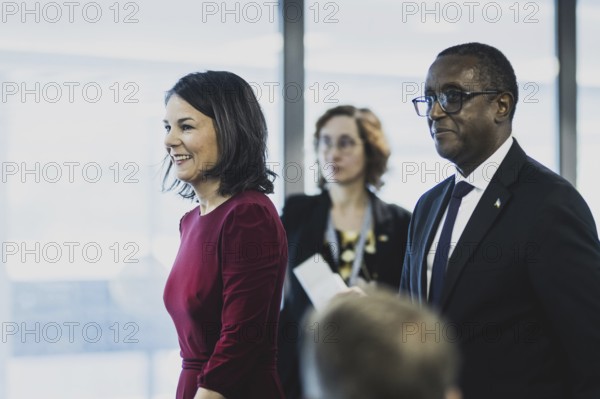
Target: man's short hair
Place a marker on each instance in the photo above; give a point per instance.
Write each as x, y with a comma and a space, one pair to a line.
376, 347
493, 67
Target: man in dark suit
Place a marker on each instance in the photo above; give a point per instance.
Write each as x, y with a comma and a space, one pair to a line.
505, 249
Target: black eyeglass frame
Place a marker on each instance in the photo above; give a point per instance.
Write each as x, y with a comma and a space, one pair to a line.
431, 99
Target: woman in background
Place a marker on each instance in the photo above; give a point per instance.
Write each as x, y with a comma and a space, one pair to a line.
224, 290
361, 237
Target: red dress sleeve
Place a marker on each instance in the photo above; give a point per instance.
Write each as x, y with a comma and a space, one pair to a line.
251, 271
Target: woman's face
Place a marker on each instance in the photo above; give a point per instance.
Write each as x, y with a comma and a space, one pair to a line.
191, 140
341, 151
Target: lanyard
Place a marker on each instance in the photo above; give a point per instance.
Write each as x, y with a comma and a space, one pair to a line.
334, 244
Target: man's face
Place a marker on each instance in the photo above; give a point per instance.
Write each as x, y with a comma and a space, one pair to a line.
467, 137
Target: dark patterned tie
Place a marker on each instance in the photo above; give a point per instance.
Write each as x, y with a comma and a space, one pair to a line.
440, 261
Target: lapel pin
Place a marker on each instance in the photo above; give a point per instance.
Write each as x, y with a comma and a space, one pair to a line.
383, 238
497, 203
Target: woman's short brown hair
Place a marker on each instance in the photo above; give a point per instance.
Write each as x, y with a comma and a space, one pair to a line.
377, 150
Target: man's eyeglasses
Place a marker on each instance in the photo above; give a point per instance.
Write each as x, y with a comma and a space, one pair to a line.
344, 144
451, 100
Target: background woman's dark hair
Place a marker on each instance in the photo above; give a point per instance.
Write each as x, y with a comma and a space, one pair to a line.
377, 150
241, 132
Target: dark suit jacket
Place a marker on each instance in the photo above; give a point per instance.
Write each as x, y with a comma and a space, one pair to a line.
522, 289
305, 220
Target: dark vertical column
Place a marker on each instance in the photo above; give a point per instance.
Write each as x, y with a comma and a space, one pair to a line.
292, 26
566, 49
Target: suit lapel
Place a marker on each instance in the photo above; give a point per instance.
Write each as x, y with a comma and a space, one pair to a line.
312, 235
480, 222
438, 207
490, 206
382, 229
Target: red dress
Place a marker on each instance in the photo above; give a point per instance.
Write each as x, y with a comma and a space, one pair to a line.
224, 295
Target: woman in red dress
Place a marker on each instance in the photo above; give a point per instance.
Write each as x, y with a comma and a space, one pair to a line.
224, 290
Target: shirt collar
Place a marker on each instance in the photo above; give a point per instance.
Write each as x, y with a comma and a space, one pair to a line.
480, 178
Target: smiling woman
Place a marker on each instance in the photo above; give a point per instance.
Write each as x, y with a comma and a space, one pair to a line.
236, 122
191, 140
224, 289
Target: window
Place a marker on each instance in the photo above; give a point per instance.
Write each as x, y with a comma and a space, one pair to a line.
588, 91
88, 238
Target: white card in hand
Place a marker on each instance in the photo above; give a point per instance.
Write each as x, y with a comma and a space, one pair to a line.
319, 282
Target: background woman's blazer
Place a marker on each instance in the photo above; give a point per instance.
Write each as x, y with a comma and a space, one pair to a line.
305, 220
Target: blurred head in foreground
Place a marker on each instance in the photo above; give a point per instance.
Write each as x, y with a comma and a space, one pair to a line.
377, 346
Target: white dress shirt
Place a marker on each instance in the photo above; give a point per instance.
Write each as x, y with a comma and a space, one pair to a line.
480, 178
